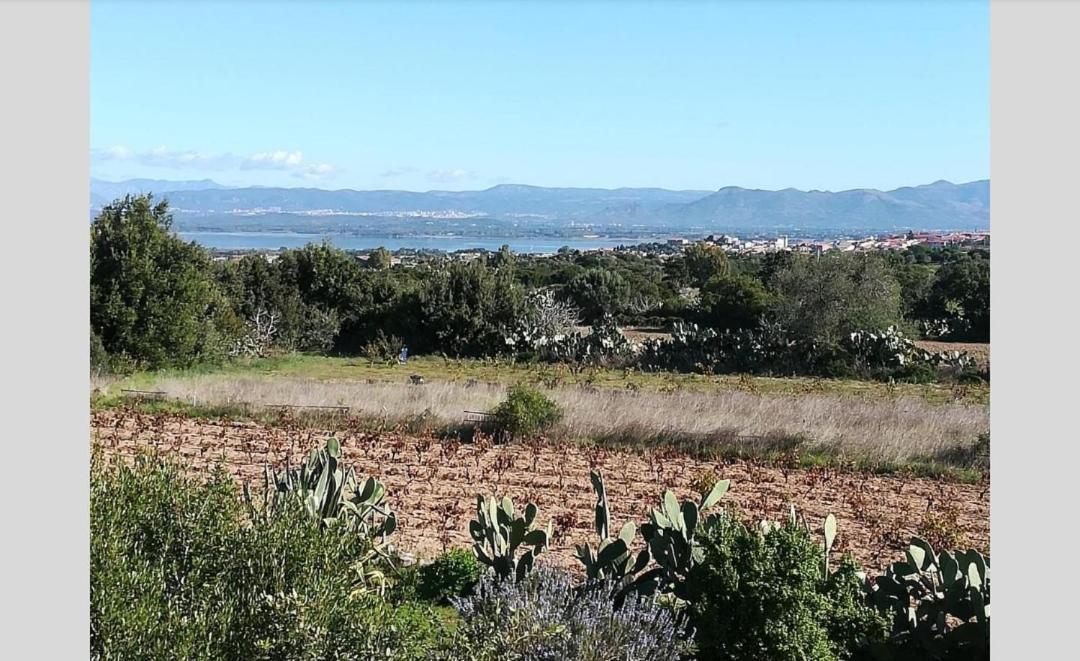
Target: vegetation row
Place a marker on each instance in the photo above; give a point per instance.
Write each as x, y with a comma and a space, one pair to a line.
159, 302
305, 567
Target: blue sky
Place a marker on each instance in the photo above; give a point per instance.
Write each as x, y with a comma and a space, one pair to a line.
466, 95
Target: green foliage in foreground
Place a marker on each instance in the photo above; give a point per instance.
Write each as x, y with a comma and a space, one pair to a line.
452, 574
181, 568
548, 615
760, 595
179, 572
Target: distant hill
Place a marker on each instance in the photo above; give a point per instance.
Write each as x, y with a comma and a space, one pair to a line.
102, 192
502, 200
940, 205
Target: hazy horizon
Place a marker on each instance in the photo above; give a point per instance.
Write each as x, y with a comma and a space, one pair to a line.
521, 185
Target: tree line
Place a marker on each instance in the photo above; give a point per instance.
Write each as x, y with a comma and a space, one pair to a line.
157, 301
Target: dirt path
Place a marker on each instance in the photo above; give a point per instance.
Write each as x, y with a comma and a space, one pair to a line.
432, 483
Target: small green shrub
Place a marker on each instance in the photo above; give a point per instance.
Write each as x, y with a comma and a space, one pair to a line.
383, 348
915, 373
762, 596
452, 574
526, 412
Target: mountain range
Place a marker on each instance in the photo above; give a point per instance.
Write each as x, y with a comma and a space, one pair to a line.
939, 205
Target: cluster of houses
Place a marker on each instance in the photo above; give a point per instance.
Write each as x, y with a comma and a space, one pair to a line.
734, 244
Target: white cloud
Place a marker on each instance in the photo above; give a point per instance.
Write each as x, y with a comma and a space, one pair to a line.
275, 160
397, 172
450, 176
162, 157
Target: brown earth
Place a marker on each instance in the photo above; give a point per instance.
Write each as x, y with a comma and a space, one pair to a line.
432, 483
980, 353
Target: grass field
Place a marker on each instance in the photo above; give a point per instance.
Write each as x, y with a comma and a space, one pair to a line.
491, 371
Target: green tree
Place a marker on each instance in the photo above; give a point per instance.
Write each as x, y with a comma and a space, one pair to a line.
733, 301
960, 294
827, 298
152, 297
598, 292
505, 258
705, 261
380, 258
762, 595
914, 280
464, 309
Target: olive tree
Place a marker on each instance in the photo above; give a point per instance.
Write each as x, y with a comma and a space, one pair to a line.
827, 298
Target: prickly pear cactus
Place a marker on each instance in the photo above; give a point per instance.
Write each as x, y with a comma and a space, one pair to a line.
330, 493
671, 538
498, 533
612, 559
939, 603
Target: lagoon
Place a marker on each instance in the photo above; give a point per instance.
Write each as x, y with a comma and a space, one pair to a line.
275, 240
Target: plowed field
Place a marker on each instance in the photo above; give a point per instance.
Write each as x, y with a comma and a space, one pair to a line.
432, 483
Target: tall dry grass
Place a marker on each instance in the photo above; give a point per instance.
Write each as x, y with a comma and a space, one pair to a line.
882, 430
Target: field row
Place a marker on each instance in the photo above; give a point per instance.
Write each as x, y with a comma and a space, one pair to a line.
432, 483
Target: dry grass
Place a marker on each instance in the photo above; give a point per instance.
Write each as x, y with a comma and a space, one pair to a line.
884, 430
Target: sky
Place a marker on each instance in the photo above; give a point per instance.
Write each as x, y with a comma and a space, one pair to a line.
468, 95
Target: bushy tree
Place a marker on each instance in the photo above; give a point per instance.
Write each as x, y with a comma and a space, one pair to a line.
598, 293
960, 295
705, 261
827, 298
152, 296
465, 309
179, 569
733, 301
379, 259
526, 411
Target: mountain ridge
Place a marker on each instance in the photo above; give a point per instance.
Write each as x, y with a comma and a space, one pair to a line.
939, 204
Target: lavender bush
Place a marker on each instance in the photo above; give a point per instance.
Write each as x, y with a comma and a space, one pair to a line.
545, 616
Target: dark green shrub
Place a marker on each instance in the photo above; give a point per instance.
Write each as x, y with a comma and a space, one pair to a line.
763, 596
152, 296
915, 373
452, 574
179, 571
99, 358
383, 349
525, 412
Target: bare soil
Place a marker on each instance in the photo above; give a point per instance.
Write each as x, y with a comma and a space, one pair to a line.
980, 353
432, 483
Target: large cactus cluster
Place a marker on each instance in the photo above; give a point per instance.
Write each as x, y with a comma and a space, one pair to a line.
669, 540
331, 493
890, 349
940, 602
499, 533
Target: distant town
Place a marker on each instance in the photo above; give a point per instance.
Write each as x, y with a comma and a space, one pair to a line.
728, 242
